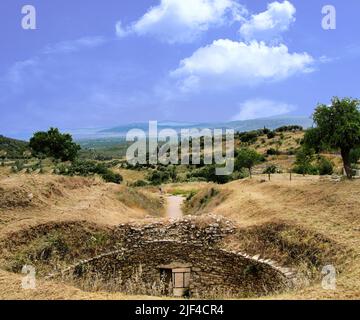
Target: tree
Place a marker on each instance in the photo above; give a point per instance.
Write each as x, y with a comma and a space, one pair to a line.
338, 127
355, 155
54, 144
247, 158
304, 159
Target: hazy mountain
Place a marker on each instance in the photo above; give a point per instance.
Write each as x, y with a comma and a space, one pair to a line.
246, 125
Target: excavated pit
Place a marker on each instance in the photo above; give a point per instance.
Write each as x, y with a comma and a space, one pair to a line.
200, 267
211, 271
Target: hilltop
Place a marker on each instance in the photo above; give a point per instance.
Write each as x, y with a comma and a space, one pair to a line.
12, 147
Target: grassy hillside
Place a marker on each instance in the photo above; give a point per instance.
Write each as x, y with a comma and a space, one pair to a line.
12, 148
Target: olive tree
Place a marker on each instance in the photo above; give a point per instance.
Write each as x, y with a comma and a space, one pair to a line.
337, 127
54, 144
247, 158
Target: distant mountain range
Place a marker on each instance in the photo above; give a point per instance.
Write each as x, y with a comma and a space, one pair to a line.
83, 134
245, 125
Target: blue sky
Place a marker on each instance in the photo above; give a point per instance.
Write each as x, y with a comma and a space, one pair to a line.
104, 63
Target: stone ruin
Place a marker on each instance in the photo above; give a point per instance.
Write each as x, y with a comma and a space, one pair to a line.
182, 259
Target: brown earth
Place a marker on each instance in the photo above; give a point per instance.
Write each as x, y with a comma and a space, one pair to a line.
309, 208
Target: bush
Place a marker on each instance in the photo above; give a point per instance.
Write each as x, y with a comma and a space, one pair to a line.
306, 169
293, 128
325, 167
139, 183
272, 152
303, 163
271, 169
89, 168
158, 177
249, 137
208, 173
271, 135
112, 177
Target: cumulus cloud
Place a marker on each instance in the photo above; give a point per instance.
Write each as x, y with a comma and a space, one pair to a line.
226, 63
262, 108
268, 25
182, 21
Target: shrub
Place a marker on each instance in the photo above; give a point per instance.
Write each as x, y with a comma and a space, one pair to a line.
249, 137
292, 128
303, 163
271, 169
140, 183
208, 173
112, 177
325, 166
271, 135
272, 152
89, 168
158, 177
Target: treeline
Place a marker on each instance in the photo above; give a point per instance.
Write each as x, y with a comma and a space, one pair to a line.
251, 137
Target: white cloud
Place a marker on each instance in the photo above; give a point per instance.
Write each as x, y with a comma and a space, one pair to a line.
182, 21
16, 71
262, 108
121, 32
226, 63
74, 45
269, 24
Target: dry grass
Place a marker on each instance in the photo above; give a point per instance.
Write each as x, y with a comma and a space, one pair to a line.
144, 200
57, 198
205, 200
315, 214
11, 289
319, 206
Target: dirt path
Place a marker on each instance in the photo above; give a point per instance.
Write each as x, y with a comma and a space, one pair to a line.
173, 210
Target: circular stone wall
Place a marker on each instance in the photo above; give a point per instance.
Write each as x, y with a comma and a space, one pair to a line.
213, 270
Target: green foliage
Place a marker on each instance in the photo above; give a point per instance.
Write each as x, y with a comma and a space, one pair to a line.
272, 152
249, 137
208, 173
54, 144
12, 148
89, 168
305, 163
325, 166
247, 158
313, 140
270, 169
86, 168
271, 135
112, 177
355, 155
291, 128
338, 127
139, 183
158, 177
304, 159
